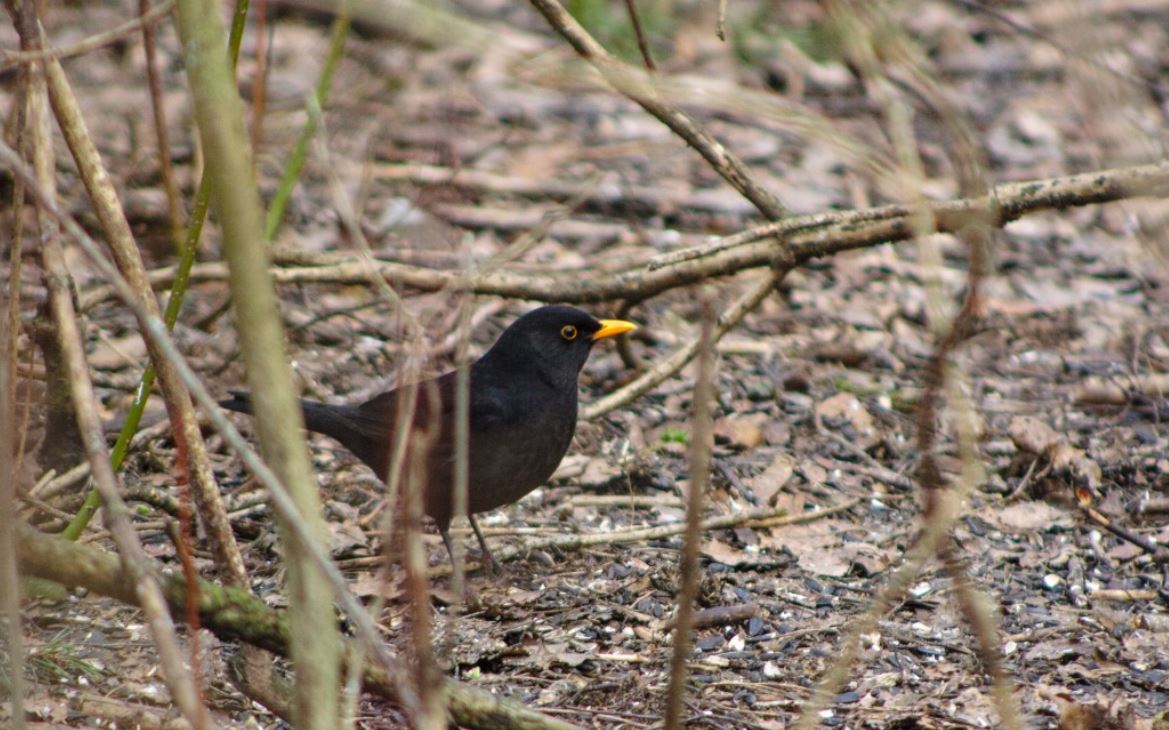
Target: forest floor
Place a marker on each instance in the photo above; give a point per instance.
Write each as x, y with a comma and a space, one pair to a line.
816, 387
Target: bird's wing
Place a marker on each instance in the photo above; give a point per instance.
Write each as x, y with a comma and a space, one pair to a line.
375, 418
378, 417
488, 410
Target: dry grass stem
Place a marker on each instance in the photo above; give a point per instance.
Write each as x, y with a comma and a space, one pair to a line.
180, 682
316, 645
859, 26
427, 678
12, 634
701, 441
185, 426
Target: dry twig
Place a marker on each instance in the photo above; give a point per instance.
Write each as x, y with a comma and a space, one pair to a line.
93, 42
815, 236
717, 156
701, 439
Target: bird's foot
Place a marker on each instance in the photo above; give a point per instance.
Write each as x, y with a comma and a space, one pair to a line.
490, 564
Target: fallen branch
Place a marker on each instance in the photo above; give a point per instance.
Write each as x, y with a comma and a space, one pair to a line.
786, 244
607, 196
234, 614
724, 615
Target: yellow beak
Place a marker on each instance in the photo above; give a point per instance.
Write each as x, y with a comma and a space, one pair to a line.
612, 328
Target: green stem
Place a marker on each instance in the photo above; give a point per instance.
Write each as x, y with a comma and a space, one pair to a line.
178, 290
317, 102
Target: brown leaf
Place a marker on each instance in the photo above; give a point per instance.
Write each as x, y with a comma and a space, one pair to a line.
1028, 517
720, 552
816, 546
1032, 435
846, 407
741, 432
768, 483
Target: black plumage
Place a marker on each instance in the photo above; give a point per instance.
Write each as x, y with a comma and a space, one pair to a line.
523, 408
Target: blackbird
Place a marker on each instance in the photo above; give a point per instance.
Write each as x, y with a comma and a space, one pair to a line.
523, 403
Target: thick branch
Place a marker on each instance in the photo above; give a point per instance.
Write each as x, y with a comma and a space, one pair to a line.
236, 615
787, 243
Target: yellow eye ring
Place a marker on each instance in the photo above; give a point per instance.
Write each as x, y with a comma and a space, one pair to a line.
568, 332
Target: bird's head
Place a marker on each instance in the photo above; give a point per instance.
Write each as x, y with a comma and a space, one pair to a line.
556, 339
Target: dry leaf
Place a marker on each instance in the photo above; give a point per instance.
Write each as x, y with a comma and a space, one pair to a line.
768, 483
1028, 517
741, 432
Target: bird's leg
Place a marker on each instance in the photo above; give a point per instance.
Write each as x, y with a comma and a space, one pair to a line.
488, 558
450, 549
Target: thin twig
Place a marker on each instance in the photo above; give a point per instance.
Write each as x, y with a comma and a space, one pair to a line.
179, 681
858, 26
260, 79
1027, 29
639, 32
193, 458
13, 628
718, 157
12, 435
462, 434
753, 519
174, 206
93, 42
608, 192
888, 597
426, 675
315, 105
218, 111
1159, 553
675, 362
701, 439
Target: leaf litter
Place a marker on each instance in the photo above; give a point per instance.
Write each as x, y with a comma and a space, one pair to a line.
817, 390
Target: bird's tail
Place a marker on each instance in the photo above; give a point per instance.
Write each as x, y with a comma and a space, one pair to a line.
240, 402
318, 417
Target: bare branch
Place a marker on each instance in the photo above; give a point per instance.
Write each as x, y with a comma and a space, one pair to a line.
814, 236
719, 158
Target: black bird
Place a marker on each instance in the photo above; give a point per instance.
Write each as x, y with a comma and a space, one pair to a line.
523, 404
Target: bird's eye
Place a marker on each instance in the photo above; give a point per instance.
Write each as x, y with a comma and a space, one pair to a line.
568, 332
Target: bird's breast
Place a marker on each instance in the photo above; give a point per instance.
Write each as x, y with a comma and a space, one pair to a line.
516, 458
